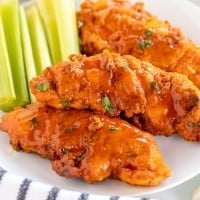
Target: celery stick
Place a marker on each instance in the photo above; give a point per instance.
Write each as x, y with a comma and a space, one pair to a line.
47, 12
67, 27
27, 50
10, 18
7, 92
38, 39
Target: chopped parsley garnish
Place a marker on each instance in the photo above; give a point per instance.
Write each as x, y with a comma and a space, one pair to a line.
145, 44
113, 129
65, 103
43, 86
153, 86
69, 129
107, 104
192, 124
149, 32
34, 121
78, 159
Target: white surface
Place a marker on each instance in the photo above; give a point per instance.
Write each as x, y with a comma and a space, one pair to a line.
182, 156
183, 191
197, 2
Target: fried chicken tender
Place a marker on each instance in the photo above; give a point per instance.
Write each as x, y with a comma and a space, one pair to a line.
154, 100
126, 28
84, 145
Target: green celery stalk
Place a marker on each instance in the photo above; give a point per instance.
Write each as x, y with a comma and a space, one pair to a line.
7, 92
47, 12
9, 11
27, 50
38, 39
67, 27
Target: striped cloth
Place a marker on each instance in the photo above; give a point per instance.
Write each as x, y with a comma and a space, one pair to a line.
13, 187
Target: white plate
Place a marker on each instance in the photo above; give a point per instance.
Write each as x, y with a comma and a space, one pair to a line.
183, 157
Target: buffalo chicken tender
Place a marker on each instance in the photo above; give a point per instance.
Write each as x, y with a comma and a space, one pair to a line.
126, 28
84, 145
154, 100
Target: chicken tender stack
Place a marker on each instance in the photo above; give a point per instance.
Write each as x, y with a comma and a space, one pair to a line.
84, 145
96, 114
126, 28
159, 102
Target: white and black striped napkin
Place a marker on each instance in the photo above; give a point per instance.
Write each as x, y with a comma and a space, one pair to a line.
14, 187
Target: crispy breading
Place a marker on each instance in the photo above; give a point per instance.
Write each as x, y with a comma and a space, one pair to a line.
156, 101
127, 28
84, 145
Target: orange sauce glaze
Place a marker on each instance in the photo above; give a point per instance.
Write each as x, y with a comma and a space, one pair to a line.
107, 83
84, 145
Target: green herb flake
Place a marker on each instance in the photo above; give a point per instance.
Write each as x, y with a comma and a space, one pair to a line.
78, 159
107, 104
192, 124
43, 86
153, 86
145, 44
34, 121
69, 129
65, 103
149, 32
113, 129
